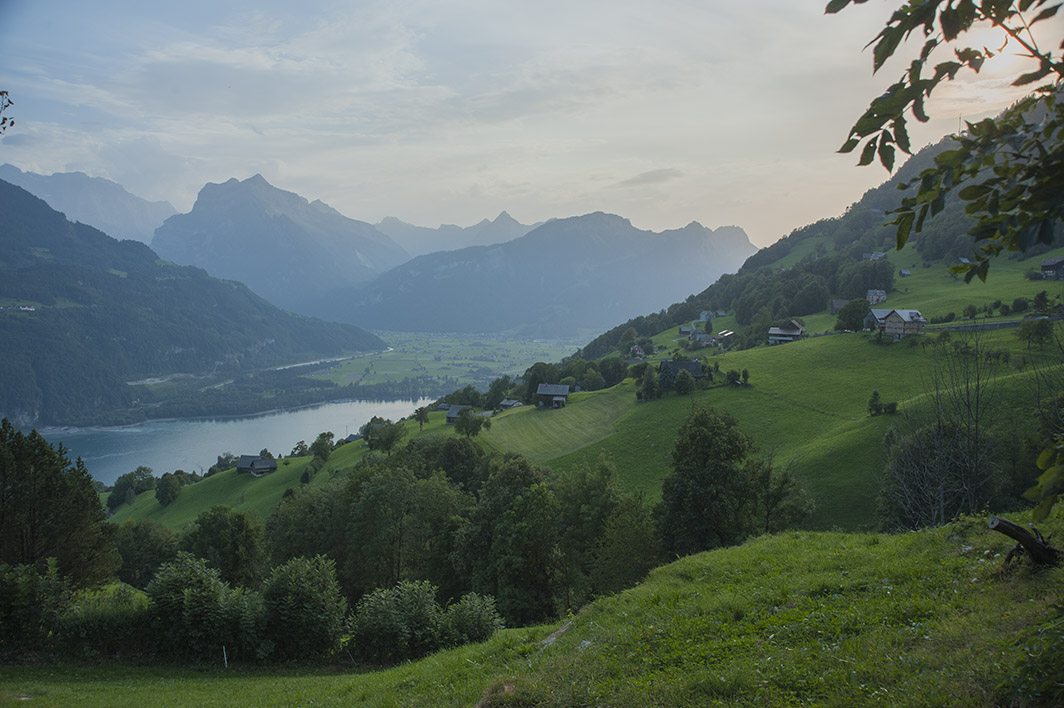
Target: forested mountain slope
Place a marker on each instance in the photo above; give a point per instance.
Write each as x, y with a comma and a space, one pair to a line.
83, 313
567, 276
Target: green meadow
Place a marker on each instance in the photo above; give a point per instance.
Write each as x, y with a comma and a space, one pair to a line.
466, 360
801, 618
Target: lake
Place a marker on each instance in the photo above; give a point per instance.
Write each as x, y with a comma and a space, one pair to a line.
193, 445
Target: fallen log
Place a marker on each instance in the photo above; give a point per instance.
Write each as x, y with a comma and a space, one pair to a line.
1040, 552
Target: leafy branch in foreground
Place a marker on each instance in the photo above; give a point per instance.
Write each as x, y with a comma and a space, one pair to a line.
1008, 170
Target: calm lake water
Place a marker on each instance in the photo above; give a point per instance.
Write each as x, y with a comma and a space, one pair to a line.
194, 445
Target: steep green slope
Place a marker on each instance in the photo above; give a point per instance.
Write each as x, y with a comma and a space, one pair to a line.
831, 619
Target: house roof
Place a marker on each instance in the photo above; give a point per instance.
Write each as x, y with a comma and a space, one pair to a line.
880, 315
909, 315
246, 461
263, 463
788, 330
454, 411
692, 367
509, 403
552, 390
1053, 262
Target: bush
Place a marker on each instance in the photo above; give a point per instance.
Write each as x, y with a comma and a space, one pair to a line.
399, 623
30, 605
1039, 676
472, 619
195, 613
113, 622
305, 611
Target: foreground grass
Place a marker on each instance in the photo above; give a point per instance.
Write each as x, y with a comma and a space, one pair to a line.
804, 618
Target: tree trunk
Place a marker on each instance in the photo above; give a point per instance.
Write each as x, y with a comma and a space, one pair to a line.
1040, 552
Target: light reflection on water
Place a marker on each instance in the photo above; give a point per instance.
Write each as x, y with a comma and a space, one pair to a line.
194, 445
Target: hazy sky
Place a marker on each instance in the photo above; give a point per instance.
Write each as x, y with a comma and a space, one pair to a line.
448, 112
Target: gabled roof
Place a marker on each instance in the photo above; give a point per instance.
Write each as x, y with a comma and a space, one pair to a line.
792, 329
509, 403
909, 315
1053, 262
692, 367
880, 315
454, 410
552, 390
264, 464
246, 461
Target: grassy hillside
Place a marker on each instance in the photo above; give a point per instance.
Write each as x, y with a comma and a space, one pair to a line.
803, 618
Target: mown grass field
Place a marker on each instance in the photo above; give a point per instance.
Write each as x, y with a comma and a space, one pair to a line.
802, 618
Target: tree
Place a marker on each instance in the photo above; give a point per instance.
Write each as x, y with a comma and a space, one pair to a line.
941, 459
782, 501
586, 499
49, 509
382, 434
167, 489
1041, 301
469, 423
300, 449
650, 388
230, 541
875, 406
129, 485
305, 610
143, 546
746, 376
323, 445
685, 382
851, 315
1010, 170
707, 498
421, 415
627, 549
1036, 331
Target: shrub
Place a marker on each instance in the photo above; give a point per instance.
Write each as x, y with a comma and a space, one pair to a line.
472, 619
30, 605
399, 623
195, 613
112, 622
1039, 676
305, 611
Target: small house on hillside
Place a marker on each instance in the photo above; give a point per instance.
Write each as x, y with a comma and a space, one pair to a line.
1053, 269
874, 319
788, 333
552, 395
669, 370
705, 315
686, 331
900, 323
905, 272
453, 412
254, 464
875, 297
508, 403
874, 256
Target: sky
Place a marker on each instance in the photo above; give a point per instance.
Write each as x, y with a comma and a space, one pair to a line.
451, 111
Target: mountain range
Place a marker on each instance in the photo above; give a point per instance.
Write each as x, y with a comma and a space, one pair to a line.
564, 278
419, 240
95, 201
83, 313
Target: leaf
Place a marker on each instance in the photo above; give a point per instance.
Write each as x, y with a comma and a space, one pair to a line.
901, 135
886, 154
869, 152
905, 224
890, 39
1046, 13
951, 23
918, 110
835, 6
1033, 76
849, 145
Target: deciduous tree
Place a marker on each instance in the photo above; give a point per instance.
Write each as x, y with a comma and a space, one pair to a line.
1009, 170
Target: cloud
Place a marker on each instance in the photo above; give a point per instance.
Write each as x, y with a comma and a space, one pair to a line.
652, 177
